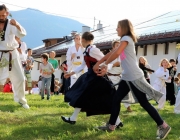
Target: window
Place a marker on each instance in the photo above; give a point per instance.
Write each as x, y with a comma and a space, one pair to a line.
38, 66
59, 62
145, 50
166, 48
155, 49
136, 48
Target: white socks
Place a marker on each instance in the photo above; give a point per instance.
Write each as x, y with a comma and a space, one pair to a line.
74, 115
118, 121
76, 112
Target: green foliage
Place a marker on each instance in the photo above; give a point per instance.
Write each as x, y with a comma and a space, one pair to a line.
43, 122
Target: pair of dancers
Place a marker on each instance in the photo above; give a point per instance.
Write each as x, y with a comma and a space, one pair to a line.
91, 91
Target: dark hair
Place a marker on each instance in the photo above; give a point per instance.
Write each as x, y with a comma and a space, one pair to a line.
29, 49
114, 43
45, 56
3, 7
172, 60
176, 79
36, 85
88, 36
40, 78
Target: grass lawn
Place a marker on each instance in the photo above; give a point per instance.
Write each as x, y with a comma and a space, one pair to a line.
42, 122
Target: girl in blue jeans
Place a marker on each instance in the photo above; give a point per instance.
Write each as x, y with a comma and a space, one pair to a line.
46, 70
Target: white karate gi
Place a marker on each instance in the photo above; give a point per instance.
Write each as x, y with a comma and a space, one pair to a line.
16, 75
72, 64
160, 84
23, 55
177, 104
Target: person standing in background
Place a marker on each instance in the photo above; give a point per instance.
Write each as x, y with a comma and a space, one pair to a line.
22, 50
28, 65
170, 93
64, 81
75, 57
54, 63
46, 71
143, 64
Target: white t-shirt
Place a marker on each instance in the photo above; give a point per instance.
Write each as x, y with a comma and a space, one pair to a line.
39, 84
35, 90
46, 68
129, 63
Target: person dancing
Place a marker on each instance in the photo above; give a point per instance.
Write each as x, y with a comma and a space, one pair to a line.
132, 79
91, 93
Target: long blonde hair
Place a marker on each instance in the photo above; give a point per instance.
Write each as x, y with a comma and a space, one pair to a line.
127, 29
145, 60
164, 59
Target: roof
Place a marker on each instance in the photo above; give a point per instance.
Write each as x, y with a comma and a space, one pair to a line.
164, 28
38, 47
50, 39
167, 22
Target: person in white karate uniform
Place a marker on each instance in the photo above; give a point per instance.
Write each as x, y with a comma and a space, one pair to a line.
10, 65
162, 74
75, 57
115, 72
22, 49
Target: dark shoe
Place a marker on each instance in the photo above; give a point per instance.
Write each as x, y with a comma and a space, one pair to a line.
68, 121
120, 125
42, 98
48, 98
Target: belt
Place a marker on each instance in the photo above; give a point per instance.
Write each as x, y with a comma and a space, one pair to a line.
110, 74
77, 63
10, 57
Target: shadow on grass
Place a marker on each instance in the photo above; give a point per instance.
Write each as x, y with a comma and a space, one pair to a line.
9, 108
47, 132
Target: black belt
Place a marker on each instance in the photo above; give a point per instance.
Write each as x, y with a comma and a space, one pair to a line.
110, 74
10, 57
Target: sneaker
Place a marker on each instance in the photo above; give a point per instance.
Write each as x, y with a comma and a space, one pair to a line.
26, 106
163, 132
42, 98
117, 126
105, 128
48, 98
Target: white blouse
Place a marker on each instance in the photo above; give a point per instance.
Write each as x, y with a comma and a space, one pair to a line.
95, 53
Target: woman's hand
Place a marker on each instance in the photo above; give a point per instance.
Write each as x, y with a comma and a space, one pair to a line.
102, 70
96, 68
67, 75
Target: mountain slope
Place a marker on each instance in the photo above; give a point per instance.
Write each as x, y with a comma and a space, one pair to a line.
40, 26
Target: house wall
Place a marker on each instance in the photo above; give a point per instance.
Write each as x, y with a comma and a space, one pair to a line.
36, 73
154, 60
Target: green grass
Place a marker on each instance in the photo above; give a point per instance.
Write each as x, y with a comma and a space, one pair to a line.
42, 122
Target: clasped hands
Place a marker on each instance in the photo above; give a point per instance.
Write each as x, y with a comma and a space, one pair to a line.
100, 70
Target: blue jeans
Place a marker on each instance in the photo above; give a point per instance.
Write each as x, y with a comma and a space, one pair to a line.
46, 84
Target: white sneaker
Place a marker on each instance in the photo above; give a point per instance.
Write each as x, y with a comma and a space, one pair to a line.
26, 106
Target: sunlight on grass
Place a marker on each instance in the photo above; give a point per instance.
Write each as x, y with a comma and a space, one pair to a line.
43, 122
